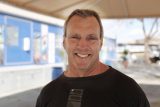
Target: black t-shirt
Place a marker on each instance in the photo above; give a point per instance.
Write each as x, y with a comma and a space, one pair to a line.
109, 89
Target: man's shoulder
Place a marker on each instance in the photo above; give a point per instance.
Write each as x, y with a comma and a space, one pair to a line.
49, 91
52, 84
119, 75
127, 89
124, 81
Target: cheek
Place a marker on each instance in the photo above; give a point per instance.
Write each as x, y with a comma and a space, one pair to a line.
69, 48
66, 45
97, 47
96, 50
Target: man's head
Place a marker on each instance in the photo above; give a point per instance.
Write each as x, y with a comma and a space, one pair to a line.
84, 13
83, 39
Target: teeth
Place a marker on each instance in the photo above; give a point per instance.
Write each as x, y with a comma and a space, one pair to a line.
83, 56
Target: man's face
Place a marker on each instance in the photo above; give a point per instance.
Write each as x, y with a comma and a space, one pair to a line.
82, 43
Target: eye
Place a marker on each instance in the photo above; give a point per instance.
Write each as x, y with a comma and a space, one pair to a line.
74, 37
92, 37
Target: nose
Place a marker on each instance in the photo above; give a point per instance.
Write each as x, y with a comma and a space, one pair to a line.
82, 43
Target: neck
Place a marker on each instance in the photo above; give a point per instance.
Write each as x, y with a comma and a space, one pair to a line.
100, 68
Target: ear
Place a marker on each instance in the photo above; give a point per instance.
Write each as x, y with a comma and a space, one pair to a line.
64, 43
101, 42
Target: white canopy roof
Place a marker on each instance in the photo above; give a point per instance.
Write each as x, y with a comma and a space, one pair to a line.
106, 8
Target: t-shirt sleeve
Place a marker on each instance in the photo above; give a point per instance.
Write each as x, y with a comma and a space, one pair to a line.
45, 95
129, 93
143, 101
40, 102
140, 95
42, 98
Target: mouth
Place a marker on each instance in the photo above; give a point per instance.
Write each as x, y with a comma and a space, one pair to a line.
82, 55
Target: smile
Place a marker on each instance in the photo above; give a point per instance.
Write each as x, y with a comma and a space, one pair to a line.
82, 55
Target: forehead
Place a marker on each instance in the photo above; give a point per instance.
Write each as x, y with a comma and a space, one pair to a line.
77, 22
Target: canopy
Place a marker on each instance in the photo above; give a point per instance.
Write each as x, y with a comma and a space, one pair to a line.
106, 8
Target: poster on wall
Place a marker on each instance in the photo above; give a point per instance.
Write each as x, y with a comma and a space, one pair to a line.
44, 48
37, 47
51, 48
59, 50
44, 43
12, 35
1, 44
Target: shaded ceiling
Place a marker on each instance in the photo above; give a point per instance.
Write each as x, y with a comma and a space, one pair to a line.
106, 8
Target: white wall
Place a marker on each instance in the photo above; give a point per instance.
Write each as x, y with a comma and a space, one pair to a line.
17, 79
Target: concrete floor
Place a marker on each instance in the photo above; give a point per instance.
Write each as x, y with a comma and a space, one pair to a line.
28, 98
24, 99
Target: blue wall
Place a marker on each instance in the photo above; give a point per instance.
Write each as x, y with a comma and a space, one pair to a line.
1, 19
15, 54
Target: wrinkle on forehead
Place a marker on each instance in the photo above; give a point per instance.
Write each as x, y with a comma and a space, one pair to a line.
86, 25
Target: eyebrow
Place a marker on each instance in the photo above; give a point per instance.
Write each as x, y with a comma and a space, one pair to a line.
76, 34
92, 35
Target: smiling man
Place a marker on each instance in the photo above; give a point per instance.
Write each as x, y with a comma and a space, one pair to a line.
87, 82
83, 42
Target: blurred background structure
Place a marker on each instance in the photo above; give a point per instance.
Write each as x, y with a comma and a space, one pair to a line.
31, 52
106, 8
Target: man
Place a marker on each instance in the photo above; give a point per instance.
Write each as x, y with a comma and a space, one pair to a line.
87, 82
